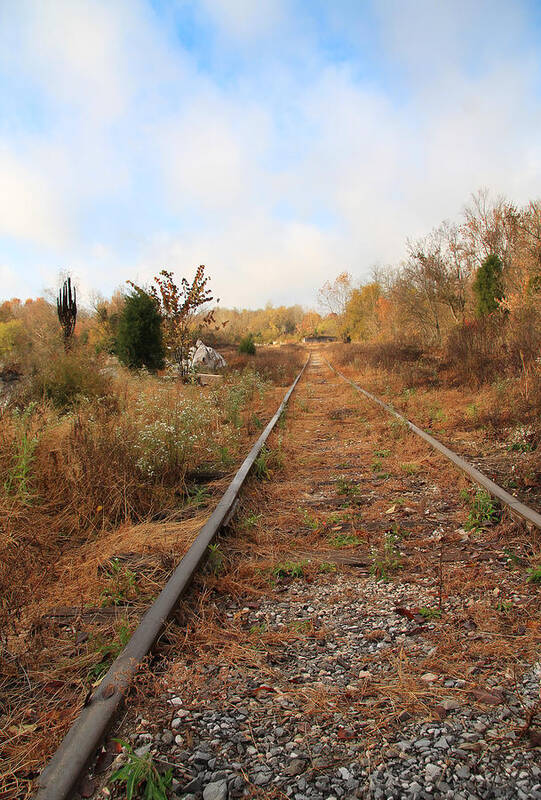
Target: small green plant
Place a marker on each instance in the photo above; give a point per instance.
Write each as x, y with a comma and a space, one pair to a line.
247, 345
251, 520
225, 456
198, 495
260, 627
534, 575
410, 468
386, 560
121, 586
382, 453
215, 559
18, 480
256, 421
430, 613
512, 558
345, 540
504, 606
107, 651
472, 411
261, 464
302, 405
398, 428
309, 519
377, 465
345, 487
326, 567
483, 509
300, 625
436, 414
289, 569
141, 774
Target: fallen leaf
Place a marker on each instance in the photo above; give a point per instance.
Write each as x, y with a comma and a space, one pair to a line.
345, 733
22, 730
391, 510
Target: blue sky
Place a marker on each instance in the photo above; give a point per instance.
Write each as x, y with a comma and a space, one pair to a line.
278, 142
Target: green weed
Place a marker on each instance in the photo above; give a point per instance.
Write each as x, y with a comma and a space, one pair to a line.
18, 479
386, 560
141, 776
534, 575
484, 510
107, 651
346, 487
410, 468
345, 540
430, 613
326, 567
215, 559
309, 519
289, 569
121, 586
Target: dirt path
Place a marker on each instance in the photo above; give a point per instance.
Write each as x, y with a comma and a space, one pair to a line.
350, 638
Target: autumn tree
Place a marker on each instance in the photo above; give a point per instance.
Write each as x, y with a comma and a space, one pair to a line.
334, 296
361, 313
182, 311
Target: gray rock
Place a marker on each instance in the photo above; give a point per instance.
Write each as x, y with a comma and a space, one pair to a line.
216, 791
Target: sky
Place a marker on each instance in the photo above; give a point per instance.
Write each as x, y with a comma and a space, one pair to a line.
278, 142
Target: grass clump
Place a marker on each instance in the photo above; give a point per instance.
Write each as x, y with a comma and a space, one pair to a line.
121, 585
345, 540
534, 575
386, 560
430, 613
289, 569
141, 777
484, 510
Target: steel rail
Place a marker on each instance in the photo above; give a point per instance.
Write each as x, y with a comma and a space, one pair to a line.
517, 507
59, 778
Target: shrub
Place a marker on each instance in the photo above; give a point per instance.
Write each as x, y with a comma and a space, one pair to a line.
488, 286
67, 379
139, 339
247, 345
13, 339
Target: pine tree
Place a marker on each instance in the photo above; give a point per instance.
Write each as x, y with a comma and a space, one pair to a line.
488, 286
139, 339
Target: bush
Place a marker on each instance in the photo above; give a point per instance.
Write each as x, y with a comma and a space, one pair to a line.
139, 339
13, 340
247, 345
67, 379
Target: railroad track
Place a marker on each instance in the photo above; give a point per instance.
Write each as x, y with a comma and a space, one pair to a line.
319, 443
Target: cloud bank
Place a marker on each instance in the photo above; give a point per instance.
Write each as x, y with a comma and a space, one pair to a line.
277, 142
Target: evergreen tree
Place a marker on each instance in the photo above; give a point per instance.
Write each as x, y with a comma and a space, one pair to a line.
488, 286
139, 340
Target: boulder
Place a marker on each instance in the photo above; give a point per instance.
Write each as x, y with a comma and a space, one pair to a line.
203, 356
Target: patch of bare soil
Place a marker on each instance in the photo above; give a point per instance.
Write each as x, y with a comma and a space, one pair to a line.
349, 637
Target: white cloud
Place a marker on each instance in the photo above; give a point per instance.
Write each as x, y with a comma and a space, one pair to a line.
30, 207
276, 176
245, 19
